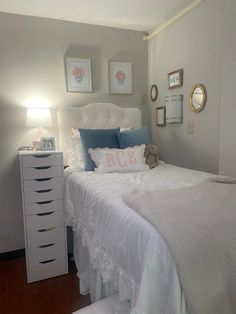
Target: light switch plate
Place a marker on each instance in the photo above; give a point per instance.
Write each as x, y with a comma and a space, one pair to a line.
190, 127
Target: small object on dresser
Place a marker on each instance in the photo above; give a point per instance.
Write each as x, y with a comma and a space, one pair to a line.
28, 147
48, 143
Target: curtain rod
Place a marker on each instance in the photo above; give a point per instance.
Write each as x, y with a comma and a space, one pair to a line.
172, 20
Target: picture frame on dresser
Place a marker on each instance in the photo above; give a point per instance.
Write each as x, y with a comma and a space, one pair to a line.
48, 143
43, 214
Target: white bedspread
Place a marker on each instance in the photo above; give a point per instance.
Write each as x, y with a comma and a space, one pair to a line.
122, 245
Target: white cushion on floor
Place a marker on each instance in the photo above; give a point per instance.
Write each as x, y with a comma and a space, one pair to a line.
110, 305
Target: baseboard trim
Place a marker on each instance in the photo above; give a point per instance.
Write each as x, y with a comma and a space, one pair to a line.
12, 255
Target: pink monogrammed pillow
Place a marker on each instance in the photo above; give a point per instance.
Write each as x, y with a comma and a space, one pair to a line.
130, 159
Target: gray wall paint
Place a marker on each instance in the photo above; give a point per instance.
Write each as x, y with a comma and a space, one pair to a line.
32, 64
227, 149
194, 44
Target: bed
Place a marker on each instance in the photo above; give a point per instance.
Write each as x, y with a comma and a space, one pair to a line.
115, 249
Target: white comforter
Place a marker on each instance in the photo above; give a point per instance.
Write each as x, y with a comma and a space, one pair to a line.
123, 246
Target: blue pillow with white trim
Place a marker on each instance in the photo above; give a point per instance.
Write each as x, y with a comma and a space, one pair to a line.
133, 137
93, 138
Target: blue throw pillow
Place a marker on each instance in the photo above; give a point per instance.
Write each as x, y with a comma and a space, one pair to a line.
133, 137
93, 138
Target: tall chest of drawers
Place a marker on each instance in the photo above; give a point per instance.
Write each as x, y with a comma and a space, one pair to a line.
44, 227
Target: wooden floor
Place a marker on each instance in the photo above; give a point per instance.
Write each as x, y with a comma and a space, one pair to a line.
59, 295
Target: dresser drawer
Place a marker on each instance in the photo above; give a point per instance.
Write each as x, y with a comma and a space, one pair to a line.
44, 220
45, 269
42, 184
41, 160
46, 252
43, 207
44, 195
41, 172
45, 236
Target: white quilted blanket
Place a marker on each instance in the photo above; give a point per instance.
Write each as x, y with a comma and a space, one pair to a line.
123, 246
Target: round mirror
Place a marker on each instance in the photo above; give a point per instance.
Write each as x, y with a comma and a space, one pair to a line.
153, 92
198, 98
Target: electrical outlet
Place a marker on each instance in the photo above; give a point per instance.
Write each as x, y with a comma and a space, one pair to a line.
190, 127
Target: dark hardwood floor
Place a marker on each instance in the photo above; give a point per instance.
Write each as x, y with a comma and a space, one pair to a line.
59, 295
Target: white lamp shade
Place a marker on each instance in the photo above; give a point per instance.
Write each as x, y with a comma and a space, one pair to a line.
38, 117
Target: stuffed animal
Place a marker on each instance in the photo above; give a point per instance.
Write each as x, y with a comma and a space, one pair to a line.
151, 156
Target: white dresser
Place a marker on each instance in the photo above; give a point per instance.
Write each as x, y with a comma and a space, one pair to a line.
44, 227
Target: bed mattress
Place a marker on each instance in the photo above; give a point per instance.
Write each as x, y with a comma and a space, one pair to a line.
123, 246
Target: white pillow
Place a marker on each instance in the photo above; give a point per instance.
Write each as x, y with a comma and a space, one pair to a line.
75, 132
130, 159
74, 152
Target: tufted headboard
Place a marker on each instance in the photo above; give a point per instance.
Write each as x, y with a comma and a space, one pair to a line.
96, 115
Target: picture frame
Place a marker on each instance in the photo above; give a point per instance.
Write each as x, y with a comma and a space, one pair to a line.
161, 116
175, 79
154, 92
120, 77
78, 75
48, 143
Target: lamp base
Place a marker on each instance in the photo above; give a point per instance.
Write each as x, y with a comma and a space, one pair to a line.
37, 145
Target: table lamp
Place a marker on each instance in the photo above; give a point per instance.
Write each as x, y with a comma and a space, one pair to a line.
38, 118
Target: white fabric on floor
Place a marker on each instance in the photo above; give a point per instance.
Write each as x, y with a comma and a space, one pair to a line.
123, 250
110, 305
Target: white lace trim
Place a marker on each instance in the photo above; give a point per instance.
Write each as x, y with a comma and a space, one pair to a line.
100, 259
98, 256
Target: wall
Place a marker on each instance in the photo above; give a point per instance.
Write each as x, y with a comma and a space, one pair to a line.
194, 44
227, 149
32, 64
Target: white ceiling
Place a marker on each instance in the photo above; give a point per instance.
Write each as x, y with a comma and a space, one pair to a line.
142, 15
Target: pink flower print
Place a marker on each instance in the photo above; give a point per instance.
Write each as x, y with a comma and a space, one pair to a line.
120, 76
78, 74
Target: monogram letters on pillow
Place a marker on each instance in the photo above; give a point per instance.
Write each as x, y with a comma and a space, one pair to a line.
130, 159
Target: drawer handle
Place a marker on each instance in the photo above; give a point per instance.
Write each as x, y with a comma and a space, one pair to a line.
42, 168
48, 261
44, 179
44, 202
41, 156
45, 214
46, 230
44, 191
46, 245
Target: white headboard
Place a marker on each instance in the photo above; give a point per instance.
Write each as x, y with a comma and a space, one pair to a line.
96, 115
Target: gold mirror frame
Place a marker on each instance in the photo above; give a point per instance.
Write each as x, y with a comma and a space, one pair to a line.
203, 103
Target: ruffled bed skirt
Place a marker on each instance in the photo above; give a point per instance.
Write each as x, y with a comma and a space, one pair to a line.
98, 275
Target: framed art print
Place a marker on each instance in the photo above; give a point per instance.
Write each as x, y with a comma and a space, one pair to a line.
161, 116
78, 75
120, 77
175, 79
